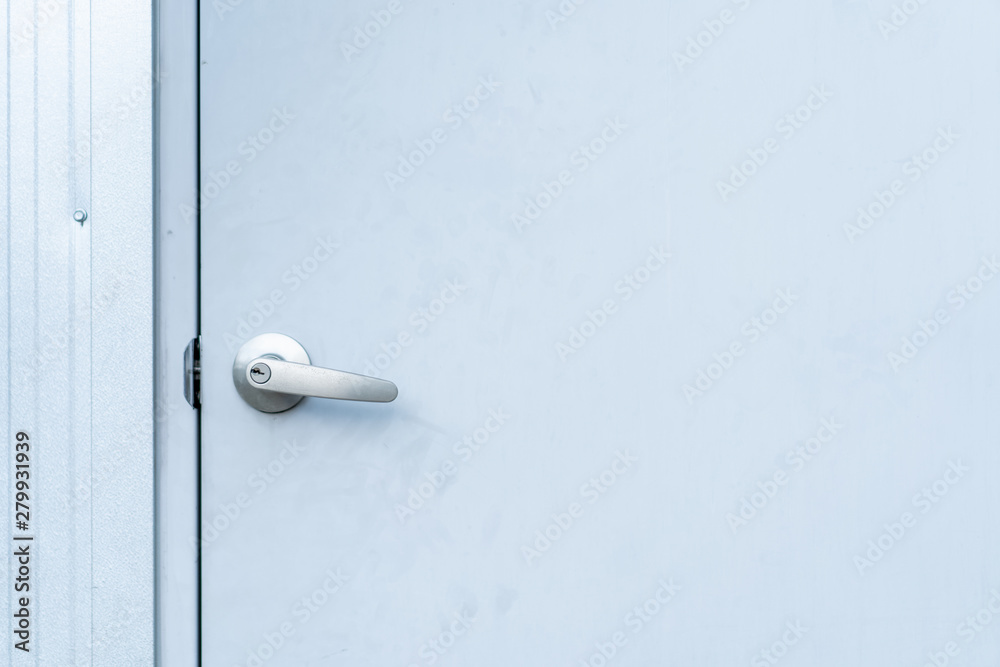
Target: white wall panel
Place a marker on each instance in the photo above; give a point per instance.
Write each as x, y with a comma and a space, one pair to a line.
77, 355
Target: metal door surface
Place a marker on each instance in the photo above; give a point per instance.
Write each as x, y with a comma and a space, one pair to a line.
692, 308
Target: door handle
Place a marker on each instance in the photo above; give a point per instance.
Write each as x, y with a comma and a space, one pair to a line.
273, 372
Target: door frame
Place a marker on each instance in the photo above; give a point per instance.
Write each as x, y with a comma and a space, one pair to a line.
178, 470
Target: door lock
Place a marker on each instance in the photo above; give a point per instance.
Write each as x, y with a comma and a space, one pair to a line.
272, 373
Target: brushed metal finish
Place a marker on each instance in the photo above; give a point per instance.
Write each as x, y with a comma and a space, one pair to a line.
276, 347
272, 373
306, 380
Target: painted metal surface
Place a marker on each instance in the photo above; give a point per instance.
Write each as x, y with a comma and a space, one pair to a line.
176, 326
642, 272
77, 323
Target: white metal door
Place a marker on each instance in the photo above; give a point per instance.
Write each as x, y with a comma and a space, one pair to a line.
692, 312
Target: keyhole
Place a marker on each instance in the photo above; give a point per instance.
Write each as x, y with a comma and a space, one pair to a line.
260, 373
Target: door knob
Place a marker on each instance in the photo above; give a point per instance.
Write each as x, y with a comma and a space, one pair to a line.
272, 373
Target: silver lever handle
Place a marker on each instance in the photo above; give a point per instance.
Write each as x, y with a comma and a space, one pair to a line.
272, 372
285, 377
